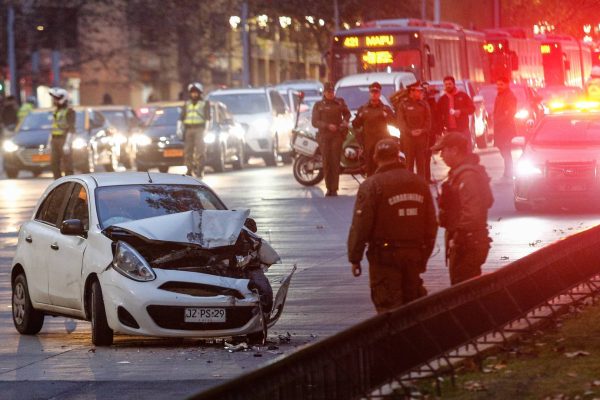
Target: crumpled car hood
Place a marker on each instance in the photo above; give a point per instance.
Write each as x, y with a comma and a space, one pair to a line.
205, 228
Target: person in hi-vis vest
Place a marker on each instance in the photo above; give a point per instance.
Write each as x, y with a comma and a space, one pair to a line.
194, 116
63, 130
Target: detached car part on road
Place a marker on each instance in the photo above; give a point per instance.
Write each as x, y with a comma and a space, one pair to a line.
143, 254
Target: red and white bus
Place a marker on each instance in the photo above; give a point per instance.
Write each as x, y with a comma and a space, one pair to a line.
430, 51
566, 60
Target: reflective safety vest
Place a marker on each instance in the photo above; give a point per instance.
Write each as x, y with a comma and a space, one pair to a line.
59, 123
24, 111
194, 113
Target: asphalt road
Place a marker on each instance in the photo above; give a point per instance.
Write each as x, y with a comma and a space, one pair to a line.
306, 228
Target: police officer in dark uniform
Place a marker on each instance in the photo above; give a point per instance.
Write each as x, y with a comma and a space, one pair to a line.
372, 120
435, 131
194, 116
63, 130
414, 121
394, 215
464, 202
331, 117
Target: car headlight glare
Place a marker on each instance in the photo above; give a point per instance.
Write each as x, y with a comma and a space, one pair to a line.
210, 137
142, 140
393, 131
526, 168
522, 114
128, 262
9, 146
79, 144
261, 124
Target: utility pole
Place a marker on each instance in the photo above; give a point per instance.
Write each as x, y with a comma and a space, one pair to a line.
336, 15
12, 62
437, 11
245, 46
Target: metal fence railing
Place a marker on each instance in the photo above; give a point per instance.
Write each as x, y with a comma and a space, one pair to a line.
358, 360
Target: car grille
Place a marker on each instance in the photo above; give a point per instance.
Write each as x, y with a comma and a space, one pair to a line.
172, 317
200, 289
26, 155
572, 170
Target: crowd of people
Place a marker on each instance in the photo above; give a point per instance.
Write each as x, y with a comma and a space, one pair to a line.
394, 216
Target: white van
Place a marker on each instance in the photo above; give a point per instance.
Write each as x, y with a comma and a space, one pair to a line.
354, 89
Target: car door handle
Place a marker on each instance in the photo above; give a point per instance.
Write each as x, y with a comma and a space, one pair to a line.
28, 239
54, 246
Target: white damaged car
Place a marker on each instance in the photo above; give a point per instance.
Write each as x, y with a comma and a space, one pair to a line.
143, 254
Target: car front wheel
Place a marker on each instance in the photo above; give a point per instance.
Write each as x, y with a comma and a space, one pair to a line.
11, 173
27, 320
102, 335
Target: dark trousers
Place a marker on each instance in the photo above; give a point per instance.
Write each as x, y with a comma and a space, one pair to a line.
395, 278
331, 151
194, 149
505, 152
415, 149
58, 157
465, 259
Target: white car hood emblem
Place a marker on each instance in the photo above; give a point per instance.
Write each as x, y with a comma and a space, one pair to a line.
206, 228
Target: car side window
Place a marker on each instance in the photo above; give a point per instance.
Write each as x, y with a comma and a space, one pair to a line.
52, 207
278, 104
77, 208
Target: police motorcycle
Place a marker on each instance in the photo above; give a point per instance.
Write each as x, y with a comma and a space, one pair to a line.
308, 162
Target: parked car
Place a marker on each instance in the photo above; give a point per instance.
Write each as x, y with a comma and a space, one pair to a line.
93, 145
481, 133
224, 139
267, 120
158, 146
557, 97
126, 124
559, 164
143, 254
290, 90
529, 106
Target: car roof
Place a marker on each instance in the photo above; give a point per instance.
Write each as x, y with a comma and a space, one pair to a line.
105, 179
239, 90
383, 78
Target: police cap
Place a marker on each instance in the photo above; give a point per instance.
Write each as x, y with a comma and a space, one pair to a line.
328, 87
375, 86
415, 86
453, 139
387, 149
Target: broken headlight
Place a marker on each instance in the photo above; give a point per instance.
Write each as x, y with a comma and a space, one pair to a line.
127, 261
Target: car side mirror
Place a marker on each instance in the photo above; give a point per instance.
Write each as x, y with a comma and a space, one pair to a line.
251, 225
72, 227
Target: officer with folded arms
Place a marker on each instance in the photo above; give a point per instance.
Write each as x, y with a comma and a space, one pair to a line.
394, 217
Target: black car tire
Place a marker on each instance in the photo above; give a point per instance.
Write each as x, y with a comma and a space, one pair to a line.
164, 169
36, 172
271, 158
27, 319
141, 168
241, 159
257, 337
219, 165
287, 158
11, 173
102, 335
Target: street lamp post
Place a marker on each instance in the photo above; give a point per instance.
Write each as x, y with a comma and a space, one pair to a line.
245, 46
12, 62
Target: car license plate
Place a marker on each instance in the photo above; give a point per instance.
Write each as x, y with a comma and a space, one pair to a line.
40, 158
194, 314
306, 146
173, 153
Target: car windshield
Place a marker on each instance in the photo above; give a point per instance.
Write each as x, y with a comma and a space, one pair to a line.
356, 96
117, 204
489, 93
568, 131
167, 116
40, 121
117, 118
243, 103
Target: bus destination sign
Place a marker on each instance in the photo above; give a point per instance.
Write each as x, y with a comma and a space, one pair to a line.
371, 41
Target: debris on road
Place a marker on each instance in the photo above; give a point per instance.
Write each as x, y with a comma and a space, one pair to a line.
232, 348
579, 353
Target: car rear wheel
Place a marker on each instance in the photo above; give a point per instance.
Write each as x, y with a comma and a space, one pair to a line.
11, 173
287, 158
219, 165
27, 320
164, 169
102, 335
241, 159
